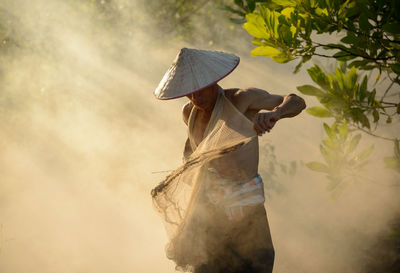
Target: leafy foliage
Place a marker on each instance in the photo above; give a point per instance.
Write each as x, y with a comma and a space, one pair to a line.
195, 21
342, 160
394, 161
372, 30
272, 170
344, 95
369, 40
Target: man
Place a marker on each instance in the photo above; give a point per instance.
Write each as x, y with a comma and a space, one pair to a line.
223, 227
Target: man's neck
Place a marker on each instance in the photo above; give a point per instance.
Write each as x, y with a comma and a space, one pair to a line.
207, 109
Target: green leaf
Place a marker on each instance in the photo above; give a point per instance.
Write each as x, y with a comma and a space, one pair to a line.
354, 143
364, 154
310, 90
318, 76
377, 78
317, 166
306, 58
232, 10
282, 58
393, 28
335, 46
238, 21
343, 67
359, 64
350, 39
298, 66
395, 68
287, 12
364, 120
392, 162
344, 56
255, 26
365, 26
357, 114
325, 153
251, 5
319, 112
343, 130
342, 7
293, 30
329, 143
267, 51
352, 77
363, 89
285, 3
257, 42
375, 114
330, 131
239, 3
332, 185
321, 12
371, 97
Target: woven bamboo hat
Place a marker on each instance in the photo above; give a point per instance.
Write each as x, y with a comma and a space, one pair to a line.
194, 69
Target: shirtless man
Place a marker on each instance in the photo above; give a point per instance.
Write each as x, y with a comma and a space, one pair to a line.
231, 230
248, 101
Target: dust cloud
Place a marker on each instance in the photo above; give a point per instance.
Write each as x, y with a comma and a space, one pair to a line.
83, 141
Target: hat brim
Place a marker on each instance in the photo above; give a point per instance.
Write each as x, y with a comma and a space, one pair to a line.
185, 94
194, 70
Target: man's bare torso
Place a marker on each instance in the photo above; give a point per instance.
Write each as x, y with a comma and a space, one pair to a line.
203, 117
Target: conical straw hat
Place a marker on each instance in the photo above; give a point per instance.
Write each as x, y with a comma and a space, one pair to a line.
194, 69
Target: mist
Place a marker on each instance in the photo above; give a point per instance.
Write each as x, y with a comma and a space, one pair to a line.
83, 141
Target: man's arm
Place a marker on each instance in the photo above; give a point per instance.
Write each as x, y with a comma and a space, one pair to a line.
291, 106
252, 100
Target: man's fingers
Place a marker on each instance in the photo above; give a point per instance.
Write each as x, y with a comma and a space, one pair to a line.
261, 121
264, 122
257, 125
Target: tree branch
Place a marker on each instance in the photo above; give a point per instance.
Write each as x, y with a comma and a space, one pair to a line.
387, 90
353, 54
372, 134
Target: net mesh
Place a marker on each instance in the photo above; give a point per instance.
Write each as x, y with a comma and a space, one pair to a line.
230, 147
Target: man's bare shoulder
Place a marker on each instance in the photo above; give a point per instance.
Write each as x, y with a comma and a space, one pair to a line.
240, 97
230, 93
186, 109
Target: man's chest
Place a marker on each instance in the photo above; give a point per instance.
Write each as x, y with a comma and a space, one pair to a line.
200, 125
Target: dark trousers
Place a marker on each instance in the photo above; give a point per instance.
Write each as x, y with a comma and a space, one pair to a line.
240, 246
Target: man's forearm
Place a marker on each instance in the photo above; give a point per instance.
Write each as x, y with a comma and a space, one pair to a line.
291, 106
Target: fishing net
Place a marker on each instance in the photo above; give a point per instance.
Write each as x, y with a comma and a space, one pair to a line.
186, 198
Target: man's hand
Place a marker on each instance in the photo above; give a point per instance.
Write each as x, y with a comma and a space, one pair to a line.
264, 122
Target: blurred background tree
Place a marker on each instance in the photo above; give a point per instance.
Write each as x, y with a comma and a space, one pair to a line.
361, 94
364, 36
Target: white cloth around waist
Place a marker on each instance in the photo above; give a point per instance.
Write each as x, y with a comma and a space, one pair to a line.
234, 195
